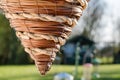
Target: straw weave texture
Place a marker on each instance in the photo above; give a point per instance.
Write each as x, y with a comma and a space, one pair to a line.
43, 25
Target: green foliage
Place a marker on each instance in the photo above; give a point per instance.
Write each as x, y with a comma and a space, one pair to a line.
11, 52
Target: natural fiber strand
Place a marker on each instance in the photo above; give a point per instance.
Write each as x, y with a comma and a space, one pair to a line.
43, 25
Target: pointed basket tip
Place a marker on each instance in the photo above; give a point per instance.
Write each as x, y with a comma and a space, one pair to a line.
42, 69
42, 34
42, 72
43, 63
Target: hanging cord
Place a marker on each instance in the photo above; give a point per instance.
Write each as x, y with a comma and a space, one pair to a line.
28, 31
37, 6
53, 22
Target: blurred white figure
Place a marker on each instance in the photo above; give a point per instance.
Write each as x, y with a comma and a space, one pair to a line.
63, 76
96, 63
87, 66
87, 71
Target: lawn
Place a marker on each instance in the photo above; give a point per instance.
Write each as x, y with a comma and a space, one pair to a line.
29, 72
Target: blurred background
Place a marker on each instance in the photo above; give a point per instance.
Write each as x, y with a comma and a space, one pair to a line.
97, 30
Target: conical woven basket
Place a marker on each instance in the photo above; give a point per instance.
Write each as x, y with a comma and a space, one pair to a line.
43, 25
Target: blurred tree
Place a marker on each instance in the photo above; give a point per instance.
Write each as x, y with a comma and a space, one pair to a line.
92, 19
116, 45
101, 23
11, 52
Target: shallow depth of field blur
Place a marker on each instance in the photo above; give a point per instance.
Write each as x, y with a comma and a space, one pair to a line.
28, 72
98, 29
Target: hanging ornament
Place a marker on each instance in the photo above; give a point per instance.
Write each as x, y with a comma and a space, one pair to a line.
43, 25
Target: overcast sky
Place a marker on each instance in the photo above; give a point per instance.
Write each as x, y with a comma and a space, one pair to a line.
108, 21
111, 18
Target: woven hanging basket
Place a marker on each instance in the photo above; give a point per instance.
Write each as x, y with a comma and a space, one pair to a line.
43, 25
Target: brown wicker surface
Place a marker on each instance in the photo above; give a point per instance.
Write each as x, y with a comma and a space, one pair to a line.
43, 25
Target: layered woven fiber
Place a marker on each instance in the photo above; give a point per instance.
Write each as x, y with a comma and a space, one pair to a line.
43, 25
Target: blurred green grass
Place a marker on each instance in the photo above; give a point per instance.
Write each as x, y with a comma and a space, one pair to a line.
29, 72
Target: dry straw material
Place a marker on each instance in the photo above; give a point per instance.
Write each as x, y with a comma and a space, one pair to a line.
43, 25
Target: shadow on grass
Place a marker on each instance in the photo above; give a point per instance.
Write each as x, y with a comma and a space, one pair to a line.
28, 77
107, 78
111, 73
